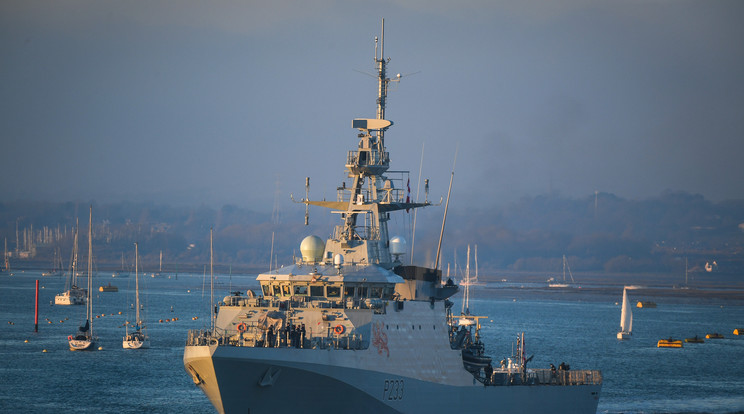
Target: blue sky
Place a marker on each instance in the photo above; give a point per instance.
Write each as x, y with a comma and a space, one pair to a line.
186, 102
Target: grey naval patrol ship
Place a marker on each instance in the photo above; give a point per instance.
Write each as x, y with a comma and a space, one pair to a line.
348, 328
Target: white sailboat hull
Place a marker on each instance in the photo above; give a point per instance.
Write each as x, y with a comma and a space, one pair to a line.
135, 344
623, 335
81, 344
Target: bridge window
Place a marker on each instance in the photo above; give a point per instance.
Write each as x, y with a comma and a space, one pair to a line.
277, 290
300, 290
389, 291
362, 291
266, 290
375, 292
316, 291
285, 290
333, 291
349, 291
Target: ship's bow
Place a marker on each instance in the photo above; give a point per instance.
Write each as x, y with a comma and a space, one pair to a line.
197, 361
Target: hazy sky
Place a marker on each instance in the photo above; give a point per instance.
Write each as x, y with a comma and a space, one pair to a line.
237, 101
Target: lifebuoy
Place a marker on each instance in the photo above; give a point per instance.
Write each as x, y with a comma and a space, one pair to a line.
241, 327
69, 337
339, 329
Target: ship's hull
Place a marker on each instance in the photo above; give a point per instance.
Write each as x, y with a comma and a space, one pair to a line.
260, 380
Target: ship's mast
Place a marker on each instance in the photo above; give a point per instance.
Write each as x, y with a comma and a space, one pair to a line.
370, 166
381, 74
372, 194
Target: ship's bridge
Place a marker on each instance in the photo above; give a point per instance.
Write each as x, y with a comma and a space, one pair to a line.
325, 281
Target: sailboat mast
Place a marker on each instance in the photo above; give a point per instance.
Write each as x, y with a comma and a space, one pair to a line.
75, 253
624, 310
476, 263
467, 287
136, 283
211, 279
564, 268
89, 311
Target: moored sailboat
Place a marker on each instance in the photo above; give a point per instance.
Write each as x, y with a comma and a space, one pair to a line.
138, 339
626, 318
557, 284
73, 295
84, 340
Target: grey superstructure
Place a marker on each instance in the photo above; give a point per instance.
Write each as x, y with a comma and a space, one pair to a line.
349, 328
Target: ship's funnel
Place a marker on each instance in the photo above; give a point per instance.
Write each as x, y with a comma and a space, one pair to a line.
312, 248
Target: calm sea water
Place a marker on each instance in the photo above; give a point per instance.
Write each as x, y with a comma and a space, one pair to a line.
638, 377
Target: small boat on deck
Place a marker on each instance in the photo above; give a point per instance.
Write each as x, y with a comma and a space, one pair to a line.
715, 335
669, 343
108, 288
695, 340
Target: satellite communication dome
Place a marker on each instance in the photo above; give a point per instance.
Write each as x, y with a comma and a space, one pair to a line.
397, 245
312, 248
338, 260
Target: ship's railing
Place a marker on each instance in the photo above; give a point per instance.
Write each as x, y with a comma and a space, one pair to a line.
258, 337
202, 337
547, 377
307, 302
393, 190
570, 377
367, 232
371, 157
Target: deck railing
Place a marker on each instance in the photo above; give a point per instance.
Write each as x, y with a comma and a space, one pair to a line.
547, 377
255, 337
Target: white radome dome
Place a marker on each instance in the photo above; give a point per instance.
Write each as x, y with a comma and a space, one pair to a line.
312, 248
397, 245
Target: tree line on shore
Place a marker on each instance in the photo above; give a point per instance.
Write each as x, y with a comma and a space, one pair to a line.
599, 233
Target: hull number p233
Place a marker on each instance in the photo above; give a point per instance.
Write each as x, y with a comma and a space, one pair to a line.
393, 390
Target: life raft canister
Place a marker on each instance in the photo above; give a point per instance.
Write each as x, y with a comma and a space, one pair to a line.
242, 327
339, 329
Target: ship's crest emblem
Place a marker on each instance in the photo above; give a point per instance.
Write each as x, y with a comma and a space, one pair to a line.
380, 339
